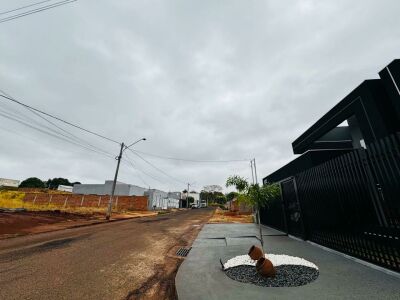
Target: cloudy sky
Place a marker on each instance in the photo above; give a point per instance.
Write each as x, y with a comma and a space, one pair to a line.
201, 80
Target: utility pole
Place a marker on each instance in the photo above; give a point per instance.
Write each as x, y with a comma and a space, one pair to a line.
123, 147
258, 208
251, 166
187, 196
108, 214
255, 169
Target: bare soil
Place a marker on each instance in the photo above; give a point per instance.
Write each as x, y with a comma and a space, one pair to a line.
30, 222
224, 216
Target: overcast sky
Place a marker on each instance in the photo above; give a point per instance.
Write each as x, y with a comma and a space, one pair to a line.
203, 80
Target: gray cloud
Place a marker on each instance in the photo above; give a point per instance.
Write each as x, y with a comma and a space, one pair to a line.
199, 79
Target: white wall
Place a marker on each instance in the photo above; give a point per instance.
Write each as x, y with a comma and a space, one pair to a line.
9, 182
65, 188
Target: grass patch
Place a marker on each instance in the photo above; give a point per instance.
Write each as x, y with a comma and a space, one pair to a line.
14, 199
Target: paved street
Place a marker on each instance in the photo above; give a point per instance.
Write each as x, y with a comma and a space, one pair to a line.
127, 259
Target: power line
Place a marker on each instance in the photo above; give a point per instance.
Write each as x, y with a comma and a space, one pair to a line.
51, 134
158, 169
33, 11
129, 163
191, 160
22, 7
71, 135
129, 159
59, 119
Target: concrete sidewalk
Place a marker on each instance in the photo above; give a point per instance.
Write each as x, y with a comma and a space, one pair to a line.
201, 277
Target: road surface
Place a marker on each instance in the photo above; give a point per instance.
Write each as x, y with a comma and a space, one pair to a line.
130, 259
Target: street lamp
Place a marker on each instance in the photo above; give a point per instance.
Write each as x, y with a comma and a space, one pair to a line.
123, 148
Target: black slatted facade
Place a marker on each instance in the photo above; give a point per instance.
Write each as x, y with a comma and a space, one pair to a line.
350, 203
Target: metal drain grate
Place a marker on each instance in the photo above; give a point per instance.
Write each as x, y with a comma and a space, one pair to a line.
183, 251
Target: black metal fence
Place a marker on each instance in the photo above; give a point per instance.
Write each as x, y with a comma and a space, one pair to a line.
350, 203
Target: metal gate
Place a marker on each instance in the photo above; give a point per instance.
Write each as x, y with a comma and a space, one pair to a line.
293, 216
352, 203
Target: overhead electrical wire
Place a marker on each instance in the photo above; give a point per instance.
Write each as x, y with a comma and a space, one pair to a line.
67, 138
130, 164
191, 160
49, 133
26, 6
58, 119
71, 136
156, 168
129, 159
33, 11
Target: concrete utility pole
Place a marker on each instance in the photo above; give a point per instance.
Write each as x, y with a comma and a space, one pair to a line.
258, 208
110, 202
187, 196
108, 214
252, 173
255, 169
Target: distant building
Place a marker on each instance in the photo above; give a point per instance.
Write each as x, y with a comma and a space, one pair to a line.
162, 200
195, 196
4, 182
121, 189
65, 188
175, 195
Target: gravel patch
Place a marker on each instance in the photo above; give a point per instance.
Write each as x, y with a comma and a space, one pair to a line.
276, 259
286, 275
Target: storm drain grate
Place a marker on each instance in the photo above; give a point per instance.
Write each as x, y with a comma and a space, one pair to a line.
183, 251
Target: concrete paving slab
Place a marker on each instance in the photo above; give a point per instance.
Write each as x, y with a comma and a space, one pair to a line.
271, 231
227, 230
214, 242
248, 241
201, 276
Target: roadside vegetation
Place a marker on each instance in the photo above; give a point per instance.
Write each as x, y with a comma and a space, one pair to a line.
254, 195
15, 200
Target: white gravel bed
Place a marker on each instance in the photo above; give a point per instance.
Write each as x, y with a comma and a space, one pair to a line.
276, 259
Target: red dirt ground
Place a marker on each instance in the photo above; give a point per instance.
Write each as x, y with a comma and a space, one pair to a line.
20, 223
30, 222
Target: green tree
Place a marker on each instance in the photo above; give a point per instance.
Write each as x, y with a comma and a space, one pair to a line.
232, 195
32, 182
55, 182
220, 199
238, 182
190, 199
254, 195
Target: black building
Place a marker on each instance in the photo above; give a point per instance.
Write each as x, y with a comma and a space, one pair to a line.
343, 191
372, 111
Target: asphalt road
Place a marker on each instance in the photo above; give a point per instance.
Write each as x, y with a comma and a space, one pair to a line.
130, 259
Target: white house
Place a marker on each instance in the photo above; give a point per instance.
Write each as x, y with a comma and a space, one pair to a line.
4, 182
161, 200
65, 188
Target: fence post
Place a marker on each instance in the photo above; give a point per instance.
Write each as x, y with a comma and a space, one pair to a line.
83, 197
65, 202
302, 216
51, 196
98, 204
373, 186
283, 209
34, 199
116, 203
